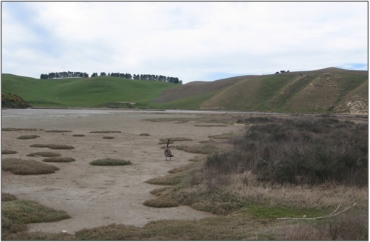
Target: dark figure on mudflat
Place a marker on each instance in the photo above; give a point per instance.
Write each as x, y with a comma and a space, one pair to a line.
167, 151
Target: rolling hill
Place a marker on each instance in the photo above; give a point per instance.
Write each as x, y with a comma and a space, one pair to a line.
325, 90
111, 92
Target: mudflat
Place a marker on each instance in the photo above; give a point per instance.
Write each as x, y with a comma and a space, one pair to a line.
100, 195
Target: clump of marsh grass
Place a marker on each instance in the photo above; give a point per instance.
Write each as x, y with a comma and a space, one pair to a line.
198, 158
44, 154
161, 202
210, 125
144, 134
26, 211
58, 159
5, 197
8, 152
222, 136
110, 162
198, 149
78, 135
164, 141
26, 167
20, 129
58, 131
166, 180
108, 137
159, 191
28, 137
104, 132
53, 146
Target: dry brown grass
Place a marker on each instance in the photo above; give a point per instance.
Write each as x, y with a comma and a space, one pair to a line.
26, 167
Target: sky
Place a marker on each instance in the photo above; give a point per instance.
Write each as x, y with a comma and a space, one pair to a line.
194, 41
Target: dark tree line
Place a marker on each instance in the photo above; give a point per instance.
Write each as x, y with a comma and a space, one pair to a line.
57, 75
64, 74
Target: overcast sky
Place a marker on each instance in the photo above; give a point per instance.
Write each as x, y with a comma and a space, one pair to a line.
190, 40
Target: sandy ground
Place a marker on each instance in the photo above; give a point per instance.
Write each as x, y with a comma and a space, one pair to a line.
92, 195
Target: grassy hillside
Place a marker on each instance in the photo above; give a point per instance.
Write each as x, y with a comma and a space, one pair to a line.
326, 90
89, 92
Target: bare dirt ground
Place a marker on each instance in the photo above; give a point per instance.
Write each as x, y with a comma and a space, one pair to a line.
94, 195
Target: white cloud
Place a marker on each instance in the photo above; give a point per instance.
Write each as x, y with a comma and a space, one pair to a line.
189, 40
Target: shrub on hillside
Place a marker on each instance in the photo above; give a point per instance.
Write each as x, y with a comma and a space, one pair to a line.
310, 151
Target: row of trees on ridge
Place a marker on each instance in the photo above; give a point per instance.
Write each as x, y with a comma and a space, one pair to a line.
149, 77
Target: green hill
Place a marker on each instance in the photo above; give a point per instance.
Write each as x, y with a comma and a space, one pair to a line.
84, 92
326, 90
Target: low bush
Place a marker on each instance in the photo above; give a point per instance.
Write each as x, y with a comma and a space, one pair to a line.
302, 151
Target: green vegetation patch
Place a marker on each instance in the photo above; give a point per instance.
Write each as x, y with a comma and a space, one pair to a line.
28, 137
26, 211
10, 100
53, 146
58, 159
78, 135
144, 134
108, 137
26, 167
110, 162
8, 152
44, 154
